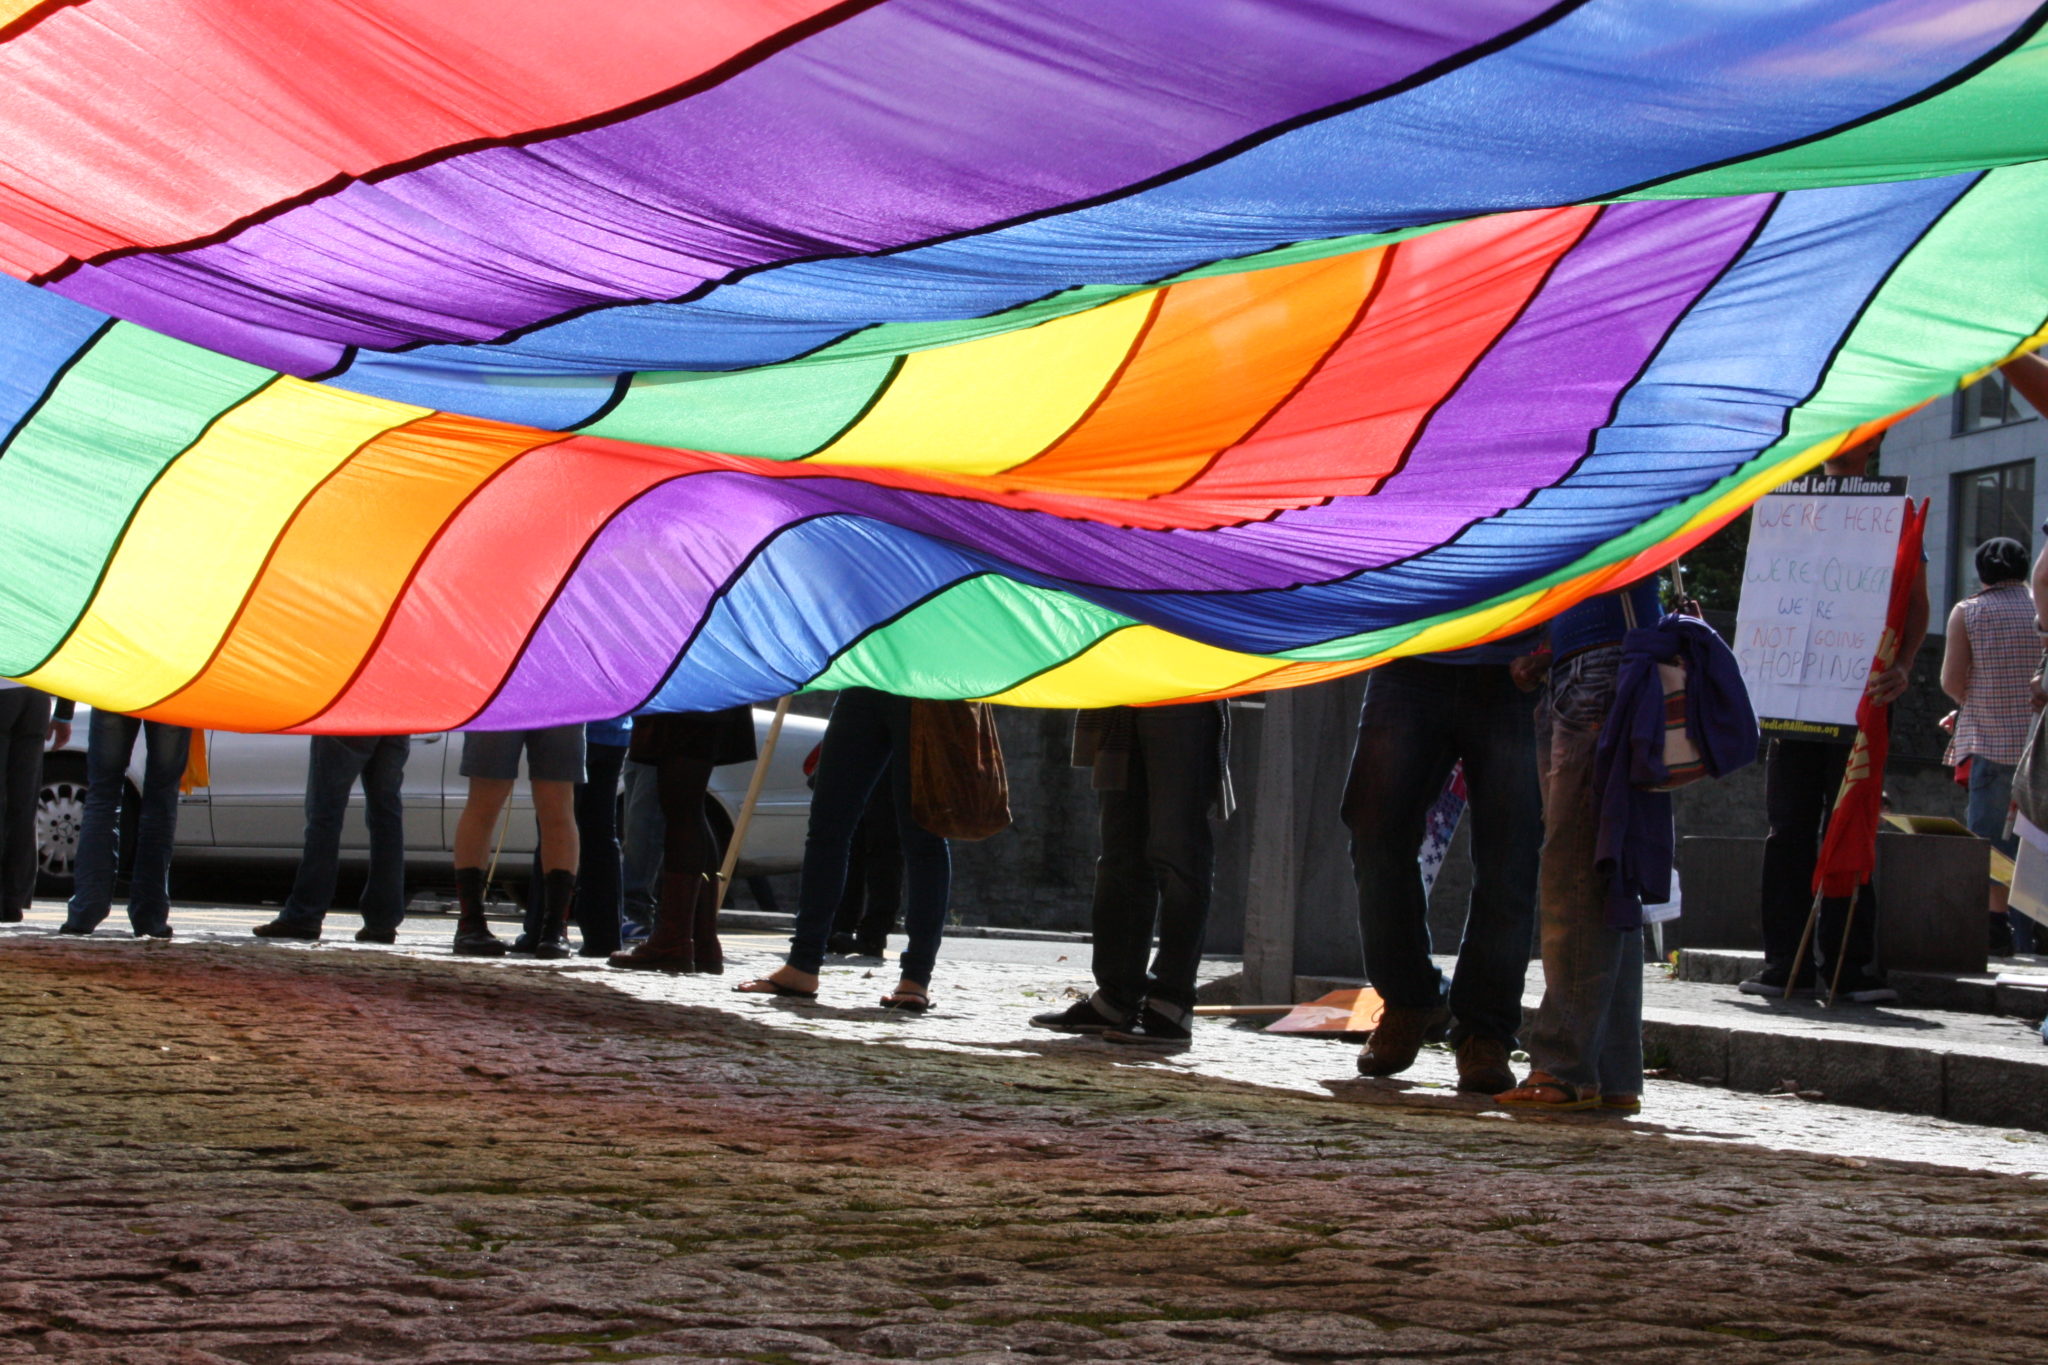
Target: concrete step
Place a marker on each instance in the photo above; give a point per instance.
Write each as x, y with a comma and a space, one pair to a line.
1969, 1066
2016, 986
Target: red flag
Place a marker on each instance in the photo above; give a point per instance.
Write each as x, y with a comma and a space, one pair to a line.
1848, 855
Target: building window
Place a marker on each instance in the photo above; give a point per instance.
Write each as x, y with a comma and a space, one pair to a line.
1988, 503
1988, 403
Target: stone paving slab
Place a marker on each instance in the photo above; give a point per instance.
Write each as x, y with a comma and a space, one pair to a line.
218, 1149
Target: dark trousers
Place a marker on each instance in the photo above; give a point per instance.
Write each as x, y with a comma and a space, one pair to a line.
107, 748
1420, 718
24, 727
867, 739
1158, 860
874, 876
1801, 779
334, 766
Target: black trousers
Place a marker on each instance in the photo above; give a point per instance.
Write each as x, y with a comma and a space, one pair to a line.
1158, 859
1801, 777
24, 725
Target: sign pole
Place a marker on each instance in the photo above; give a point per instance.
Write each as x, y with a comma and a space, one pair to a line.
746, 815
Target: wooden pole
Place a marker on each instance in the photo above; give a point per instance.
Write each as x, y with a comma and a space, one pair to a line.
746, 815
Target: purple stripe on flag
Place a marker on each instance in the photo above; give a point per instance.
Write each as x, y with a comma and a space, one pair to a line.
998, 109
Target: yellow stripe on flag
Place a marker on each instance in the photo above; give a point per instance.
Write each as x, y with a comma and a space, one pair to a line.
1136, 664
201, 536
983, 406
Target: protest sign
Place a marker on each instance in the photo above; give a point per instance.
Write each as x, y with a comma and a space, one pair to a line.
1814, 591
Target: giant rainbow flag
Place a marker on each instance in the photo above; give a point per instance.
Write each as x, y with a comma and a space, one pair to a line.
371, 365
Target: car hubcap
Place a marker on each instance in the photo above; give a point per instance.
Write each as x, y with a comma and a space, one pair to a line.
58, 814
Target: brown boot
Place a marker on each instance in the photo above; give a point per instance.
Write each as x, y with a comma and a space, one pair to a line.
1398, 1037
671, 947
704, 928
1484, 1067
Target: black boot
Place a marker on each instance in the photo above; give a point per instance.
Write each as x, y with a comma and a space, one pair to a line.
672, 946
704, 928
559, 892
473, 937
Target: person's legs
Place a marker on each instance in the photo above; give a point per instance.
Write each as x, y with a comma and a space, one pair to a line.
1495, 739
383, 777
882, 874
599, 902
1403, 757
927, 861
1126, 898
109, 742
856, 750
1584, 962
640, 864
1989, 802
490, 760
24, 721
165, 748
333, 762
689, 871
1179, 748
1796, 797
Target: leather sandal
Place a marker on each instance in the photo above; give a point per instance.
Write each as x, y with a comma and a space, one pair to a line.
1545, 1093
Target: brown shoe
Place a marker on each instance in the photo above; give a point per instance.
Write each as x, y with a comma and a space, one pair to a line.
704, 928
672, 946
1399, 1036
1483, 1067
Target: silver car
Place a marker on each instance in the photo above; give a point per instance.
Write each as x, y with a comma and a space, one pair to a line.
253, 813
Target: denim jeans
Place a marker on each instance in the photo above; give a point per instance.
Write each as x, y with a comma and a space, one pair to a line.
1589, 1030
332, 769
108, 745
1158, 857
874, 876
1420, 718
868, 738
640, 866
1990, 796
24, 727
1801, 778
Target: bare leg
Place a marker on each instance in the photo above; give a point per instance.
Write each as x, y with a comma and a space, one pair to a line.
554, 806
487, 797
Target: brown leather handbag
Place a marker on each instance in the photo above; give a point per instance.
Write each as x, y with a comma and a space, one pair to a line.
958, 788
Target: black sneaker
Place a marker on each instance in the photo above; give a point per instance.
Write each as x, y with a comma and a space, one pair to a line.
1864, 989
1152, 1028
70, 927
1083, 1016
367, 934
1770, 983
284, 928
840, 945
161, 929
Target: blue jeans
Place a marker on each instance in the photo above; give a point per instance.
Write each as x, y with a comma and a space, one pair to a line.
108, 744
1158, 856
1990, 796
868, 729
640, 867
1420, 718
332, 769
1589, 1030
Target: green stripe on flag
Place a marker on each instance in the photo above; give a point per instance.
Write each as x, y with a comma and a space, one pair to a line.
75, 474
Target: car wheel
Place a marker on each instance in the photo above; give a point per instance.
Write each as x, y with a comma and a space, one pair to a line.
60, 813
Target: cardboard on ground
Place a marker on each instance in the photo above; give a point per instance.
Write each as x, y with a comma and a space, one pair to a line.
1814, 591
1346, 1012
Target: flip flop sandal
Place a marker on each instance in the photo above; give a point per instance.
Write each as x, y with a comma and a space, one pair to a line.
908, 1001
1622, 1104
773, 987
1546, 1096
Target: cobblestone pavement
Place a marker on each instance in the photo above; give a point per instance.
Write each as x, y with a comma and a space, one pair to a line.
220, 1150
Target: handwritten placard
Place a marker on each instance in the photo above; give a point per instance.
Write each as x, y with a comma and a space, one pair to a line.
1814, 592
